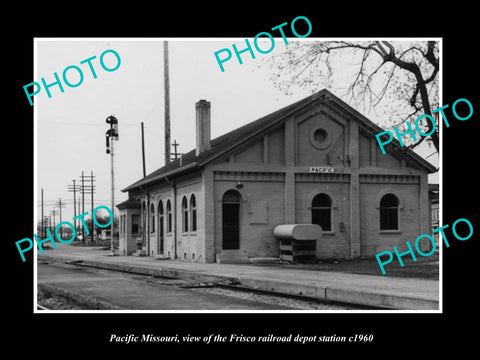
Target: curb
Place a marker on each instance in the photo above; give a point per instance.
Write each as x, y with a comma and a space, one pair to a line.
347, 296
355, 297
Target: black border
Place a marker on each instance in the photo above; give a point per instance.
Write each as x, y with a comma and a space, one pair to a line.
408, 333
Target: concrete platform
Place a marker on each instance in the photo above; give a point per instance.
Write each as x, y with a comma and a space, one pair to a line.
368, 290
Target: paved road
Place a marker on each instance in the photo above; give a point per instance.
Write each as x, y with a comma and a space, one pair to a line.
133, 294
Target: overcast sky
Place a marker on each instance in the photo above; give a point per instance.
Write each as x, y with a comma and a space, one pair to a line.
71, 125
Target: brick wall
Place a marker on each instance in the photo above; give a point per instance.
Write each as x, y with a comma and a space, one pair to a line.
373, 240
261, 209
335, 243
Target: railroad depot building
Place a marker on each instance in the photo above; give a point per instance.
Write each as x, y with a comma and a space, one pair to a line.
314, 161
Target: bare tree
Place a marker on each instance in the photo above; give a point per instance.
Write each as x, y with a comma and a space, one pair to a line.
401, 75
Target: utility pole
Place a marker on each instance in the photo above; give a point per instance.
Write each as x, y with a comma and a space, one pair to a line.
83, 205
52, 230
143, 154
167, 101
74, 189
79, 208
48, 224
43, 226
53, 214
60, 205
111, 135
93, 191
176, 154
90, 189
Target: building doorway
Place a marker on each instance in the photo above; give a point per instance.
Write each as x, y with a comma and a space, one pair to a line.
322, 211
231, 202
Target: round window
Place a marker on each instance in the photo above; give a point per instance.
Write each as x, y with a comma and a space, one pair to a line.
320, 135
320, 138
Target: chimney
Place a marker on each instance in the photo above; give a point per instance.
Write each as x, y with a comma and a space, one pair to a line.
203, 125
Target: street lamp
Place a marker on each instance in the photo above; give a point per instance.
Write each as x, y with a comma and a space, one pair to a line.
111, 135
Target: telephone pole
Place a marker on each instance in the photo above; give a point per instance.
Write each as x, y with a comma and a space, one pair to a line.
167, 101
74, 188
89, 189
48, 224
176, 154
60, 205
92, 189
143, 153
53, 214
43, 225
82, 187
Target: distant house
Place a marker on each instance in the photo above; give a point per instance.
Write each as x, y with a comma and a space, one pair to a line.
314, 161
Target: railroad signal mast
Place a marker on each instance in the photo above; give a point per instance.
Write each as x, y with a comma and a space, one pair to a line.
111, 135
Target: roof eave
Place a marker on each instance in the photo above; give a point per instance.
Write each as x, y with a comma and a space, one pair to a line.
174, 172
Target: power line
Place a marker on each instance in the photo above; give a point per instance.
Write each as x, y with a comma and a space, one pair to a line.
81, 123
67, 201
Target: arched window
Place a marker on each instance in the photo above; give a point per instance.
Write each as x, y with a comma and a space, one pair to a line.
184, 214
322, 211
152, 218
160, 217
169, 217
144, 221
160, 207
193, 213
160, 227
389, 212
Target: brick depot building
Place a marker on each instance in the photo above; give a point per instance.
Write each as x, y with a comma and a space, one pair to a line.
315, 161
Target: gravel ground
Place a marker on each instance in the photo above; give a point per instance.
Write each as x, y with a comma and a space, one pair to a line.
54, 302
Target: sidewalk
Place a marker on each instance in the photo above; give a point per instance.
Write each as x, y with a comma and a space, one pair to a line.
369, 290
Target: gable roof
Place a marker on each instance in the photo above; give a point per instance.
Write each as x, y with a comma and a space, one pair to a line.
232, 139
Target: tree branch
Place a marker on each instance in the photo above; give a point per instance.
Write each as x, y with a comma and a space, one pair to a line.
364, 88
430, 55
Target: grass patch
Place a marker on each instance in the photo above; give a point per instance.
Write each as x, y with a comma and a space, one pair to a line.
422, 268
